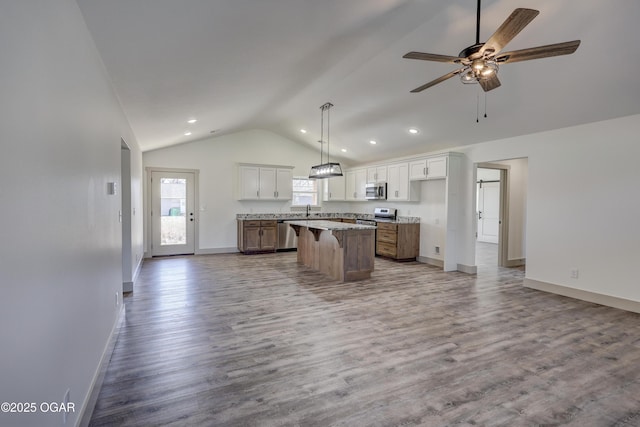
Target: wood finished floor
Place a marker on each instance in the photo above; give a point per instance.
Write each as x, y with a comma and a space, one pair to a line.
234, 340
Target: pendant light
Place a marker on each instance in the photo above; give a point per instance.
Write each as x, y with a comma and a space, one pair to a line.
328, 169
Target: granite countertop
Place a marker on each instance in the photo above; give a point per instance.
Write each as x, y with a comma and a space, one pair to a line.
330, 225
321, 216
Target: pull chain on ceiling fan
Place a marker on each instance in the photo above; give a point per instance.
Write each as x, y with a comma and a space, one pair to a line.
480, 61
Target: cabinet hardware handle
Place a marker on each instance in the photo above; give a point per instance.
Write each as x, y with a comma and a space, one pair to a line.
258, 193
424, 171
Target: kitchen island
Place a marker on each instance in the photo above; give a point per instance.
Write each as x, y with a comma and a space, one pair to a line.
343, 251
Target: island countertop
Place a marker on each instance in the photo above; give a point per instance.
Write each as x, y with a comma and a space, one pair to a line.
293, 216
330, 225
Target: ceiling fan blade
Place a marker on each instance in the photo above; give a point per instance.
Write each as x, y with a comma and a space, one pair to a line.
510, 28
432, 57
565, 48
438, 80
490, 83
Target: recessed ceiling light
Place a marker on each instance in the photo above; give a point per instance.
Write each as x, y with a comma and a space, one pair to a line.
192, 121
187, 133
414, 131
372, 142
344, 150
303, 130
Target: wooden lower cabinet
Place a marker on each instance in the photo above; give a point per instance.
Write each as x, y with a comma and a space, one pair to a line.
257, 236
398, 241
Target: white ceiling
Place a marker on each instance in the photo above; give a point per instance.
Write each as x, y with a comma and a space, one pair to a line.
270, 64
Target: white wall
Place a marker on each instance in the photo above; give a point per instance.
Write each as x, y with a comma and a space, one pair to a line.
217, 159
582, 204
518, 181
60, 261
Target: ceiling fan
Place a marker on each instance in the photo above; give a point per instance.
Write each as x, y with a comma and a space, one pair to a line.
480, 61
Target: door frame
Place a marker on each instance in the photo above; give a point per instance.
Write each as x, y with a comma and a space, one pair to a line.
503, 211
149, 204
127, 216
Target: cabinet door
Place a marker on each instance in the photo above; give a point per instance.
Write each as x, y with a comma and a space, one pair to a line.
437, 168
251, 238
361, 184
249, 182
334, 189
350, 185
284, 184
418, 170
393, 183
377, 174
398, 187
356, 184
269, 237
381, 174
267, 183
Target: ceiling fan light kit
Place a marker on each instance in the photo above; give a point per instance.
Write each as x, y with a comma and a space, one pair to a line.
481, 61
328, 169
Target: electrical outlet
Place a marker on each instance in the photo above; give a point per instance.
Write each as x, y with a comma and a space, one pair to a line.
437, 250
574, 273
117, 297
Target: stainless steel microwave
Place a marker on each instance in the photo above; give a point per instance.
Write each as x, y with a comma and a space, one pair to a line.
376, 191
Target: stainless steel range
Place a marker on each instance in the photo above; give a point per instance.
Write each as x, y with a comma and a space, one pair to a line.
379, 215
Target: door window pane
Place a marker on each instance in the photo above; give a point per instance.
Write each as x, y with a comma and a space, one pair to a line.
173, 218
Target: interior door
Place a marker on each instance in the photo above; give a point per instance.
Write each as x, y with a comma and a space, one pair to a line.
172, 213
488, 211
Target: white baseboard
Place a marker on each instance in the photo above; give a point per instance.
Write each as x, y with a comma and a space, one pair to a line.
127, 287
96, 384
517, 262
469, 269
431, 261
609, 301
212, 251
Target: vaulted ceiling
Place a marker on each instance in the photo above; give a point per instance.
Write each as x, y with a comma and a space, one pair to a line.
269, 64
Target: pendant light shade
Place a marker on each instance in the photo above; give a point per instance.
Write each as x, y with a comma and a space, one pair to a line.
328, 169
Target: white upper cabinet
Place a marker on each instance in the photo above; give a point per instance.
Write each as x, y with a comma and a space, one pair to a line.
437, 167
249, 183
267, 185
418, 170
284, 184
399, 188
377, 174
356, 182
429, 168
265, 182
334, 189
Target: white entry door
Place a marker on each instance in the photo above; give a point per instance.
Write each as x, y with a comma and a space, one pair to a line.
172, 213
488, 211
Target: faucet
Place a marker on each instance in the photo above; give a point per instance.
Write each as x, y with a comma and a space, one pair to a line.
308, 210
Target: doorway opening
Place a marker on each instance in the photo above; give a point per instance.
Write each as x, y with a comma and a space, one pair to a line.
125, 191
501, 196
488, 190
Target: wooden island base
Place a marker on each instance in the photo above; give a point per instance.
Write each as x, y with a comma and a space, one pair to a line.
344, 252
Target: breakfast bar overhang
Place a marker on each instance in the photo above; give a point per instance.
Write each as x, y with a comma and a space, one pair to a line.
343, 251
